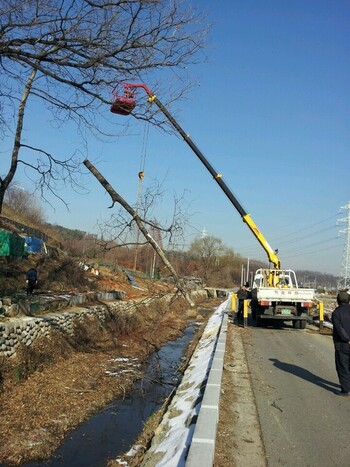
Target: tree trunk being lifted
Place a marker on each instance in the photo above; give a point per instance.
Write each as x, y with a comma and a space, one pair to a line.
119, 199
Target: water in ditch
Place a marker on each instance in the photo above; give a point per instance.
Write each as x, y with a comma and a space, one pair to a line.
113, 430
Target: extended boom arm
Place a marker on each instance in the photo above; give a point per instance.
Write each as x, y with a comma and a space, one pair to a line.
273, 258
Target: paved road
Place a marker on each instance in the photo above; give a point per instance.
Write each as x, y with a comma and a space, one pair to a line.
303, 422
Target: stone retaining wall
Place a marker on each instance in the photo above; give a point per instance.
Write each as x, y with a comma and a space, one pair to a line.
26, 329
54, 302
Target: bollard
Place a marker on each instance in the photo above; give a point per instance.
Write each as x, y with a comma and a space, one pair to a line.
245, 313
320, 306
234, 303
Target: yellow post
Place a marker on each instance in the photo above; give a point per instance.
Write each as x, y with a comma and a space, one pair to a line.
245, 313
320, 306
234, 302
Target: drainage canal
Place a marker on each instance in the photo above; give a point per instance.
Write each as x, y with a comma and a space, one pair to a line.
113, 431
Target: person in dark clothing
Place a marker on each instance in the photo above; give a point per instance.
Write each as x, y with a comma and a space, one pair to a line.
242, 294
341, 339
32, 280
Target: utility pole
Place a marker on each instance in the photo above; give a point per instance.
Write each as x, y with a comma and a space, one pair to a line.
242, 275
344, 278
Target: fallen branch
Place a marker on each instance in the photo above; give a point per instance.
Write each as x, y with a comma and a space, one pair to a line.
116, 198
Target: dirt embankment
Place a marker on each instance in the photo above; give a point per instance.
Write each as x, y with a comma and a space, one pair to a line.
59, 382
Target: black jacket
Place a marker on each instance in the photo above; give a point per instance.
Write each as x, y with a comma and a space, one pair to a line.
341, 326
242, 294
32, 275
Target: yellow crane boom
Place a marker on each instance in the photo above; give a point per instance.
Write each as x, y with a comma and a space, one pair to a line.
124, 104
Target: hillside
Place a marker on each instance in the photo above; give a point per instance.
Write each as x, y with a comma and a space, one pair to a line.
60, 270
67, 248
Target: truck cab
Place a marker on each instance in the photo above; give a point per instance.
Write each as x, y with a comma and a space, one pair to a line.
275, 278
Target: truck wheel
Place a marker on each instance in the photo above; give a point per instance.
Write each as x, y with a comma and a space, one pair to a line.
303, 324
296, 324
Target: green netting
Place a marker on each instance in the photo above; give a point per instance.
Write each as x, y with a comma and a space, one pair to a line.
4, 243
17, 246
11, 244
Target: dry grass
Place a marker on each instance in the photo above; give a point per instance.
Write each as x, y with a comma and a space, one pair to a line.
40, 410
58, 383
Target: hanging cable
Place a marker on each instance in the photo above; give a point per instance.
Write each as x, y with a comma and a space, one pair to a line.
141, 175
144, 147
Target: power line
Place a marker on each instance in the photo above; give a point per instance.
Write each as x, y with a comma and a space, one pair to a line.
312, 245
310, 226
252, 249
307, 236
313, 252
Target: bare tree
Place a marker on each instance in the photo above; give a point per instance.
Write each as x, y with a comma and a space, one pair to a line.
116, 198
207, 251
69, 54
25, 204
119, 230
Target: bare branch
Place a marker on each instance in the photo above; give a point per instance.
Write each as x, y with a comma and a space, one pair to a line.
116, 198
71, 54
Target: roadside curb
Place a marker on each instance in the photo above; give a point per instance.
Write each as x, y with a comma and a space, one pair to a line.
202, 449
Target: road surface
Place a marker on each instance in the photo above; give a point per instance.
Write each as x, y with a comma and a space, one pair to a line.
278, 405
303, 422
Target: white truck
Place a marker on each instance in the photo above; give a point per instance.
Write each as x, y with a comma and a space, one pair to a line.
276, 296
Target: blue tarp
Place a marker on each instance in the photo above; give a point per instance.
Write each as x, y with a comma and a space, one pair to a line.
33, 244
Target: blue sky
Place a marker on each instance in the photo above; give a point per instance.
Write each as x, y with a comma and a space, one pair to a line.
270, 111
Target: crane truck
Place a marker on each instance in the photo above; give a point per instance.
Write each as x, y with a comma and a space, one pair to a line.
276, 295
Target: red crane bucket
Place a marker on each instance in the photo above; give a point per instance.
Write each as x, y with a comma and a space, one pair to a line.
123, 101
